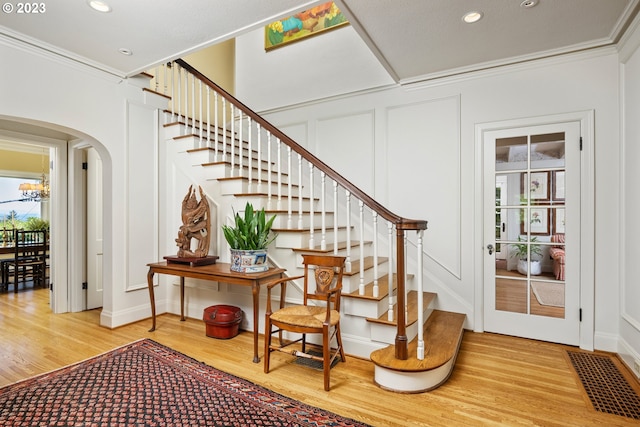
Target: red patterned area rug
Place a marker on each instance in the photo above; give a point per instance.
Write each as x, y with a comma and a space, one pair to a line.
147, 384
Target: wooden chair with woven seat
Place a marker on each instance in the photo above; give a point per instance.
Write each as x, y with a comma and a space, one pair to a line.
29, 260
309, 318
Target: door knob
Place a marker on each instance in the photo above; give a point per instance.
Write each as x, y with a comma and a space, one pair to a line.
490, 247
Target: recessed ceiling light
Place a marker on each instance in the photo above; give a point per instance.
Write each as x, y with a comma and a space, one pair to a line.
471, 17
528, 3
100, 6
125, 51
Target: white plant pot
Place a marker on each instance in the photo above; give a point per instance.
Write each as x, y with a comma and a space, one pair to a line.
247, 261
536, 267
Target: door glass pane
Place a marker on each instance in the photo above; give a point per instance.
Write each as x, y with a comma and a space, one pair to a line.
547, 298
529, 225
511, 153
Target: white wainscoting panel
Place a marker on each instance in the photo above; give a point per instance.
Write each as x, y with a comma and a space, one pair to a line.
423, 161
347, 143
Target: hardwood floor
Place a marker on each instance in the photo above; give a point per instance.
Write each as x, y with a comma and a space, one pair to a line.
497, 380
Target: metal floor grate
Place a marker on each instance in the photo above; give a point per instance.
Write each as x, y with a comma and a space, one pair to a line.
607, 389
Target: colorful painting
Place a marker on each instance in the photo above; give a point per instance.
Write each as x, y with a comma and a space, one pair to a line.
307, 23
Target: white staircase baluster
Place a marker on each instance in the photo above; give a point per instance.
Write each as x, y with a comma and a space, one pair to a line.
186, 102
323, 210
361, 220
406, 277
193, 104
300, 222
312, 243
290, 191
215, 126
376, 290
224, 129
173, 91
335, 217
156, 79
165, 81
420, 348
208, 116
200, 113
279, 169
259, 148
249, 154
392, 299
347, 263
179, 86
240, 141
269, 170
232, 148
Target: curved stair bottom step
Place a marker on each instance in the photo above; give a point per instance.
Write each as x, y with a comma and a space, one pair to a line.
412, 382
443, 335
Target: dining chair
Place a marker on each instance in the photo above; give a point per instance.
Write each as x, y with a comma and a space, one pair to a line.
319, 313
29, 260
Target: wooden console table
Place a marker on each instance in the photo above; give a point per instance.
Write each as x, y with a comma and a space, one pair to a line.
215, 273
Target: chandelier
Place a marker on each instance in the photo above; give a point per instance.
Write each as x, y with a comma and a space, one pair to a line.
38, 191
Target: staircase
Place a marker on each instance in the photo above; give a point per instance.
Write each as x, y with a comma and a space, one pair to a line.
238, 157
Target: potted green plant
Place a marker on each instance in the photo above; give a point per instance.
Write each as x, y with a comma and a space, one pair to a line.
521, 252
248, 240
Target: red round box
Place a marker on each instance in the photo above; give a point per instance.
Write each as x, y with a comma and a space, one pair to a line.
223, 321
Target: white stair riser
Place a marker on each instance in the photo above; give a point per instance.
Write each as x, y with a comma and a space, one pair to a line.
365, 308
294, 240
387, 333
260, 201
412, 382
283, 220
236, 186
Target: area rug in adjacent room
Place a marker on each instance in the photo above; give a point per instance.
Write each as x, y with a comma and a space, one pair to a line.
549, 293
147, 384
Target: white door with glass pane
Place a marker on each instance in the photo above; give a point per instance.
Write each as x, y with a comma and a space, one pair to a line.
531, 199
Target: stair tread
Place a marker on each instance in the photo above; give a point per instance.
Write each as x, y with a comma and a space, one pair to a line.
151, 90
300, 230
228, 163
245, 178
275, 200
383, 289
220, 130
368, 263
443, 333
412, 308
329, 247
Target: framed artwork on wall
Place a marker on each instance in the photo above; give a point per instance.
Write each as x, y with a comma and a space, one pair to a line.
558, 186
307, 23
558, 221
537, 186
539, 220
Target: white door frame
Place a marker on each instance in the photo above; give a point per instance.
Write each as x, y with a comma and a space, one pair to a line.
77, 226
587, 215
58, 211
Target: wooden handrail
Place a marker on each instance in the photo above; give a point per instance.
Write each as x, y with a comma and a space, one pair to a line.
400, 222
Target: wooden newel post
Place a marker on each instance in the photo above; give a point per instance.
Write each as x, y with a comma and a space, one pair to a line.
401, 335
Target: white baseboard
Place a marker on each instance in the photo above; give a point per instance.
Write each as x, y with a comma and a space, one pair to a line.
130, 315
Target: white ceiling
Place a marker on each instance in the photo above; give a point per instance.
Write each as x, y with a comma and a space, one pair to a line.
414, 39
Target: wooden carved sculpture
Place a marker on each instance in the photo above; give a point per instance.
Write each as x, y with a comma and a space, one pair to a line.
196, 224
